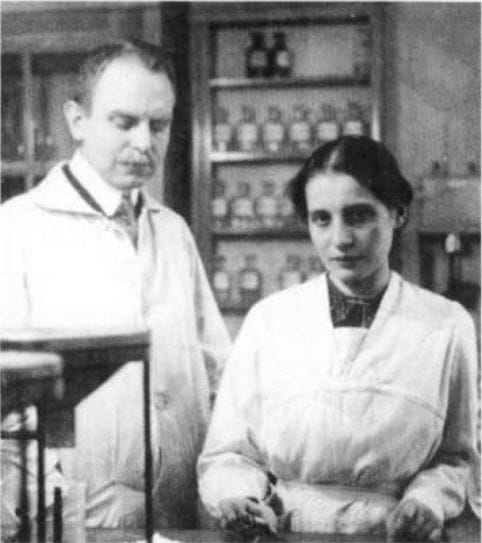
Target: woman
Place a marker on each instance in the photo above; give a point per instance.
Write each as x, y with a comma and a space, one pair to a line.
350, 397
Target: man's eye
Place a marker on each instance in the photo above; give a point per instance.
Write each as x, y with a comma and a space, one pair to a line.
159, 125
124, 123
320, 219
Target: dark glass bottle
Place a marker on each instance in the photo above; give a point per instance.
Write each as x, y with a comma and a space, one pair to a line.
257, 56
280, 57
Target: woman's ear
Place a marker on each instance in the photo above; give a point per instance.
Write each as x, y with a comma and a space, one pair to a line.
75, 116
402, 216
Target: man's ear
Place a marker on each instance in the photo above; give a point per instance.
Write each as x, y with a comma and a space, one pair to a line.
75, 116
402, 216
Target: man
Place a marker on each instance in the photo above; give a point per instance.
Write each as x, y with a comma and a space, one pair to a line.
89, 247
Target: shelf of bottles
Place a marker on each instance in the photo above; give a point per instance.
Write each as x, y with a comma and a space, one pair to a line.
295, 87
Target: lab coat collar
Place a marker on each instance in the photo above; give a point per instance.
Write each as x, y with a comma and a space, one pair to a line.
57, 194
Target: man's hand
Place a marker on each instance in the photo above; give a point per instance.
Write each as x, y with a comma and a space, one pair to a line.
413, 521
245, 514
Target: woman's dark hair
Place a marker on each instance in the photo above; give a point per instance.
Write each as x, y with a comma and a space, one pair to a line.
368, 161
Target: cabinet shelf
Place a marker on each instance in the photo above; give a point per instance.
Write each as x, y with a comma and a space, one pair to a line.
262, 234
238, 157
292, 82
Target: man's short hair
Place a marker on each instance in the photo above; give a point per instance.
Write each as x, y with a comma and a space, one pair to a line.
152, 56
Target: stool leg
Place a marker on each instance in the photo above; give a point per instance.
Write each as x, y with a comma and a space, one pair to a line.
24, 530
42, 536
147, 447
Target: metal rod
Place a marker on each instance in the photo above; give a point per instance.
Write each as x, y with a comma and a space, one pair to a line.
147, 446
24, 530
42, 536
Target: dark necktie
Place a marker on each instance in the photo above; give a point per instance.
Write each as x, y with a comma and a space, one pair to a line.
125, 217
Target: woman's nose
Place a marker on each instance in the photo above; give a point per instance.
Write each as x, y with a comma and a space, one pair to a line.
342, 235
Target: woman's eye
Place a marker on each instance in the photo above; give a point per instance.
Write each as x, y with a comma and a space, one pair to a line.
358, 215
320, 219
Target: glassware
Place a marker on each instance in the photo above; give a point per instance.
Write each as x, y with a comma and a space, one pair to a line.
300, 129
257, 63
273, 130
219, 206
280, 57
242, 208
223, 131
327, 127
353, 124
361, 53
266, 206
291, 274
221, 280
286, 212
247, 130
250, 281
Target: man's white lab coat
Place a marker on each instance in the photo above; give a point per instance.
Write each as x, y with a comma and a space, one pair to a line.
62, 264
348, 420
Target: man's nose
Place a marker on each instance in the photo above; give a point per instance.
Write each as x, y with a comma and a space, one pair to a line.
342, 235
141, 136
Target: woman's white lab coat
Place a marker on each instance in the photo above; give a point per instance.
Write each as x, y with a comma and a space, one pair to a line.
64, 265
347, 428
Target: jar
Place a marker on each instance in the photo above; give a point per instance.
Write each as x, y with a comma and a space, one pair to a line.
219, 206
327, 127
250, 282
291, 274
300, 130
280, 57
247, 130
242, 208
221, 280
223, 131
273, 131
266, 206
257, 63
353, 124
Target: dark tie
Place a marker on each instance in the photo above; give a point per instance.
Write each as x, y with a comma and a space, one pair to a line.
125, 217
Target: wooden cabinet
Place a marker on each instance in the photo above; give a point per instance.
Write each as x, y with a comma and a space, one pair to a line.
334, 59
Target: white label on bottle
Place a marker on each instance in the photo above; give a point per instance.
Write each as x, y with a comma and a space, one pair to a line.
222, 133
290, 278
283, 59
249, 280
327, 130
247, 135
266, 206
221, 280
300, 132
286, 208
273, 132
243, 207
353, 128
219, 207
258, 59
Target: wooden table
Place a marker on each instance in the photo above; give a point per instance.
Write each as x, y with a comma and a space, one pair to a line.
89, 358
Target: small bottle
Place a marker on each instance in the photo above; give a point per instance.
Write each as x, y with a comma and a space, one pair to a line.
291, 274
250, 282
242, 208
223, 131
219, 206
280, 57
247, 130
361, 53
327, 127
286, 212
353, 124
300, 129
266, 206
257, 62
221, 280
273, 130
315, 268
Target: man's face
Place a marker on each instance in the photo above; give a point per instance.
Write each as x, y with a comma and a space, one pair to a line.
125, 134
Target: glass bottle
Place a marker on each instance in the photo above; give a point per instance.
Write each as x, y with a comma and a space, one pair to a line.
273, 130
315, 268
280, 57
219, 206
300, 129
291, 274
221, 280
353, 123
266, 206
223, 131
242, 208
361, 53
250, 282
257, 56
247, 130
327, 127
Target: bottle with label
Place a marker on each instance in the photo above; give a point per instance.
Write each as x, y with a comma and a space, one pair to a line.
280, 57
300, 129
219, 206
353, 123
257, 61
266, 206
242, 209
250, 282
273, 131
221, 280
223, 131
286, 212
327, 127
247, 130
361, 53
291, 274
315, 268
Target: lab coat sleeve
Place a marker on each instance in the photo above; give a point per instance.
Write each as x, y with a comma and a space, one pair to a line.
442, 486
232, 465
14, 303
212, 333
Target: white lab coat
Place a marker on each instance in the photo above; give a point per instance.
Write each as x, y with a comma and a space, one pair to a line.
64, 265
348, 429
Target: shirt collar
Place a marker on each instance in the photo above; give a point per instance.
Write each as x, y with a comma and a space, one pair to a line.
107, 196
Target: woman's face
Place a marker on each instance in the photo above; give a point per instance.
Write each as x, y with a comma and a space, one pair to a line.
352, 232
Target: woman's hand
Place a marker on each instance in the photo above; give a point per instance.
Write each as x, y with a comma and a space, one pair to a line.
247, 512
412, 520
